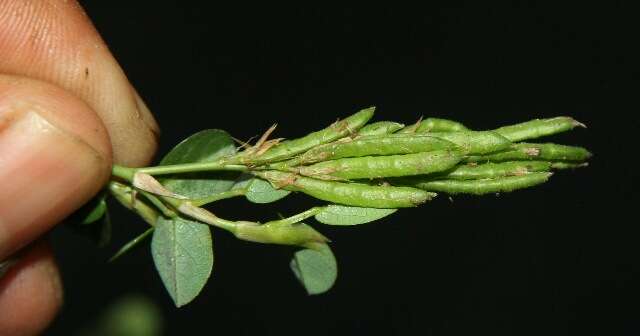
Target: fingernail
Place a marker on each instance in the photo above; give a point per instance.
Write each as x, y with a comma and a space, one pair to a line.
46, 173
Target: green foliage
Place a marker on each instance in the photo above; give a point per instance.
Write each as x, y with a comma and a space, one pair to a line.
380, 127
440, 125
385, 166
315, 268
204, 146
335, 131
96, 209
346, 215
365, 172
93, 221
483, 186
183, 254
261, 191
353, 194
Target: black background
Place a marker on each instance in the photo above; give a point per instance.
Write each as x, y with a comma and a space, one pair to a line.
560, 259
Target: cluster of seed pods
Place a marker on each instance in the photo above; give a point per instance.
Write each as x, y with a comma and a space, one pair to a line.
387, 165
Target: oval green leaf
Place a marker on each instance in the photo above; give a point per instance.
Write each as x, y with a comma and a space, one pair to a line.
261, 191
315, 268
204, 146
183, 254
347, 215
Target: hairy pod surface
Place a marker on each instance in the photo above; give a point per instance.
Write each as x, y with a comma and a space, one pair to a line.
385, 166
440, 125
532, 151
342, 128
538, 128
493, 170
485, 186
475, 142
568, 165
389, 144
380, 127
353, 194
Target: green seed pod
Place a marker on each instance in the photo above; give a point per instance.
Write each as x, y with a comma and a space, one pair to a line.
387, 144
486, 186
440, 125
353, 194
531, 151
538, 128
297, 234
385, 166
380, 127
473, 142
493, 170
411, 129
289, 148
568, 165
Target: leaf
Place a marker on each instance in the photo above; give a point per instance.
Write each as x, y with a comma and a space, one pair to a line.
183, 254
316, 268
204, 146
347, 215
131, 244
261, 191
92, 220
97, 212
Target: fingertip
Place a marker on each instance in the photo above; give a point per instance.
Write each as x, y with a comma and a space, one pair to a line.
55, 152
55, 41
30, 293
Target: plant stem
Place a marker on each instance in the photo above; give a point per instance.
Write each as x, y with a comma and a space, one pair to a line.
123, 194
190, 168
124, 173
298, 217
128, 173
158, 204
189, 209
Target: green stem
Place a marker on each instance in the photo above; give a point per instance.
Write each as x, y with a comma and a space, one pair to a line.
298, 217
190, 209
158, 204
128, 173
124, 173
124, 195
190, 168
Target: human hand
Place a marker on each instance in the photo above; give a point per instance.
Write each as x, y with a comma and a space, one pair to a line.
67, 112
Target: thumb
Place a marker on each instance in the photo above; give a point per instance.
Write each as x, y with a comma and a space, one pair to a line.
54, 155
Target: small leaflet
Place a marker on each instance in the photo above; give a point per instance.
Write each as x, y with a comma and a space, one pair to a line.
348, 215
261, 191
182, 251
315, 268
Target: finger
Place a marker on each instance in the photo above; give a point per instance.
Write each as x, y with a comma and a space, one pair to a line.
54, 41
30, 293
54, 155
